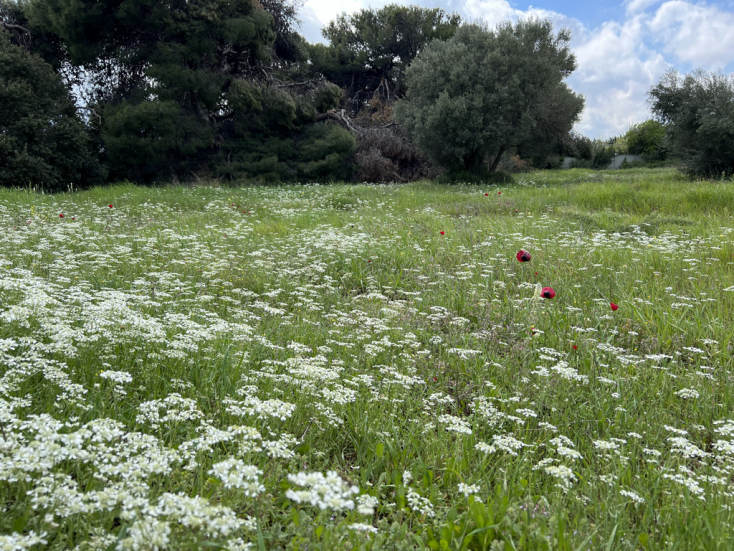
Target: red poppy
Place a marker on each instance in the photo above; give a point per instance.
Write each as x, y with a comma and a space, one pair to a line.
499, 193
487, 194
443, 233
61, 215
109, 206
575, 347
547, 292
523, 255
613, 306
536, 273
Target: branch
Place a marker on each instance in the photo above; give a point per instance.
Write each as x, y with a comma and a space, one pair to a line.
99, 117
340, 117
12, 27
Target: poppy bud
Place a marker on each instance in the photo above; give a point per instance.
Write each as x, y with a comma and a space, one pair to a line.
523, 255
547, 292
613, 306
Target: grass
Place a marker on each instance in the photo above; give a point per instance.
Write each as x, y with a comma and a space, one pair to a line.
184, 369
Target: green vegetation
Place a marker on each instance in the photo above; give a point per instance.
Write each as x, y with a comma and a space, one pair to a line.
181, 367
646, 139
698, 111
42, 142
370, 50
483, 92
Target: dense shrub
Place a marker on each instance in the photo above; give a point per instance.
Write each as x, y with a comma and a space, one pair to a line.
698, 111
43, 143
384, 155
646, 139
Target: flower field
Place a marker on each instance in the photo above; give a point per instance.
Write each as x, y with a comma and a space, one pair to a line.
539, 365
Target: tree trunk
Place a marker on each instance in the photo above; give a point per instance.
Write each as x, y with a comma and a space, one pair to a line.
496, 161
473, 161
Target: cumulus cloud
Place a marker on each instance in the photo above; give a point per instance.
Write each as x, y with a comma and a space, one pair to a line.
697, 34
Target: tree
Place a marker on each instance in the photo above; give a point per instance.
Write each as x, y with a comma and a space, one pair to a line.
369, 50
646, 139
698, 111
42, 141
473, 97
169, 79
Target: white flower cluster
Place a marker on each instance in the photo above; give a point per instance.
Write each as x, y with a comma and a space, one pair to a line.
420, 504
234, 474
325, 492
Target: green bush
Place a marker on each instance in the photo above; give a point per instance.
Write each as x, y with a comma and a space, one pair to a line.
646, 139
698, 111
43, 143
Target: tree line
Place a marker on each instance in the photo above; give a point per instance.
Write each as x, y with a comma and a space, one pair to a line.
151, 90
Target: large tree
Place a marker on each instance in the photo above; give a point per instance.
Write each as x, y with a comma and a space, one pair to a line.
370, 50
483, 92
43, 143
178, 86
698, 111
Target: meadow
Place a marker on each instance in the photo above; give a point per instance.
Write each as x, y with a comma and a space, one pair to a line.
341, 367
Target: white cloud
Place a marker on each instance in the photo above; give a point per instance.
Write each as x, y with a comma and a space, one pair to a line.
699, 34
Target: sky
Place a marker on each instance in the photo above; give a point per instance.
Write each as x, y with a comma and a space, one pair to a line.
622, 47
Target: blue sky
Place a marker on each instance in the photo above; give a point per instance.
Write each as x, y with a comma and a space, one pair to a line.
622, 46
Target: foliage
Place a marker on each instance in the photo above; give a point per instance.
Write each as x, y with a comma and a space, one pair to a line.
482, 92
175, 370
369, 50
43, 144
196, 86
698, 112
646, 139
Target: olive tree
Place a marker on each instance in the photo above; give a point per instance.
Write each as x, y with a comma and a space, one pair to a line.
698, 111
483, 92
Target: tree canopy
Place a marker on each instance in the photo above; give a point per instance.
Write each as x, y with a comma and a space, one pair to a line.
370, 50
42, 142
482, 92
184, 86
698, 111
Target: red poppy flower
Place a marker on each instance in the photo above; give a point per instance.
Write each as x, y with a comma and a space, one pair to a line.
443, 233
547, 292
575, 347
536, 273
61, 215
523, 255
487, 194
613, 306
499, 193
109, 206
